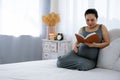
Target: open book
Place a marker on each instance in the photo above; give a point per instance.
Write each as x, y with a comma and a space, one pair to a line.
90, 38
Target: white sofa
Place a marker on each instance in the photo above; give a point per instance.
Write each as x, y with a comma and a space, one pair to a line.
108, 67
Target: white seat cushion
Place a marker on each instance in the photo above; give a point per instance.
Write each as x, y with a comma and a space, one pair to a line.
47, 70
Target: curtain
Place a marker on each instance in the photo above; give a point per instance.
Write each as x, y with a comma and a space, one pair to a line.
19, 49
22, 17
21, 29
72, 14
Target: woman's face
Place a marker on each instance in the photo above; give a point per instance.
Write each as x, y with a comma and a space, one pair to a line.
91, 20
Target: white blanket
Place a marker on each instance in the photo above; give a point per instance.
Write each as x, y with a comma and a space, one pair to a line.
47, 70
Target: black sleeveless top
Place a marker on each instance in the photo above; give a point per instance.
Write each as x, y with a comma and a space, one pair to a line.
90, 52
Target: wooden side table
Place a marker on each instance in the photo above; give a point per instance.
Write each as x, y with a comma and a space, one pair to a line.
52, 49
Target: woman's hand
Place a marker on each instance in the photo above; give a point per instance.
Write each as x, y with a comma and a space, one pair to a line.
76, 49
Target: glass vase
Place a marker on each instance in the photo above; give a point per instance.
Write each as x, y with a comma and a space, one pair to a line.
51, 32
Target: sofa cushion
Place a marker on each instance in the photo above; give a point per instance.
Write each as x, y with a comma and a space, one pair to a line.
117, 65
109, 56
114, 34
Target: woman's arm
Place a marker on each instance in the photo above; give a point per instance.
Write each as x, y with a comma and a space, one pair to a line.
75, 47
106, 39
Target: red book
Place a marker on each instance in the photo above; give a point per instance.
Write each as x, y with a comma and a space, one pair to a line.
90, 38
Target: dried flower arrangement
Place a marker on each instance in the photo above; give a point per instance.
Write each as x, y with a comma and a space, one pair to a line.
51, 20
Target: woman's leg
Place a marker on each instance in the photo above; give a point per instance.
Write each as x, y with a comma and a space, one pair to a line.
84, 64
67, 61
73, 61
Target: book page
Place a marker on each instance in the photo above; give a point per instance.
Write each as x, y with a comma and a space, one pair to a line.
80, 35
89, 35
